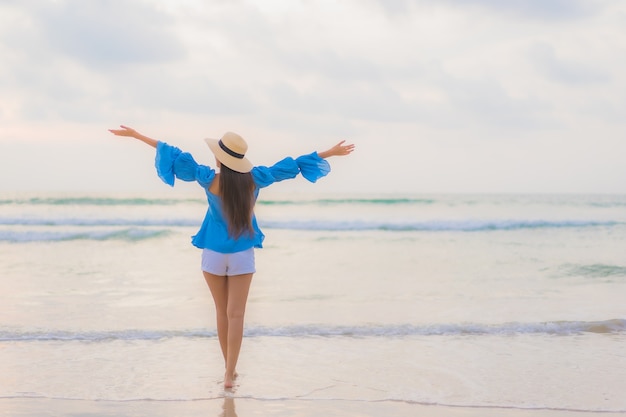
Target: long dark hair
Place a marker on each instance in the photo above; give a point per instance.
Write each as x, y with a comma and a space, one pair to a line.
237, 192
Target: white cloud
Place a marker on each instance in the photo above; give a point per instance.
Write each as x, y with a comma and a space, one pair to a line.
545, 59
532, 9
459, 75
108, 32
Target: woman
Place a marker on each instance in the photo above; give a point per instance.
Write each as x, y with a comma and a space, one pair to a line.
229, 232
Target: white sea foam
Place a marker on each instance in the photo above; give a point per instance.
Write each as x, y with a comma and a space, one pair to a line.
136, 229
614, 326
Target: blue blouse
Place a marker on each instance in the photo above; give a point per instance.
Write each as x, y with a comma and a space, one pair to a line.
172, 163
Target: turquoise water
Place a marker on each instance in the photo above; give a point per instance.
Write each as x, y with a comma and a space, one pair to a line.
513, 301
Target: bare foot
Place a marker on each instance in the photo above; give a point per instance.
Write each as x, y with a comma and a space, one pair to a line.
229, 381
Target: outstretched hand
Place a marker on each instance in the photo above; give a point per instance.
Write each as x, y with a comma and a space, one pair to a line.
124, 131
132, 133
338, 150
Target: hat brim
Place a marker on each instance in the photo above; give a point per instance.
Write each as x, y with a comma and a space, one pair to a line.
241, 165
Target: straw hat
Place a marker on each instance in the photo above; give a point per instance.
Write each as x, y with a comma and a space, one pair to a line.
230, 150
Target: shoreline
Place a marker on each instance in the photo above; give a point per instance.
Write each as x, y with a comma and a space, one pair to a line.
232, 406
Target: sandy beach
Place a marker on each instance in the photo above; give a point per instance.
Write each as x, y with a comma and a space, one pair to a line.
245, 407
453, 310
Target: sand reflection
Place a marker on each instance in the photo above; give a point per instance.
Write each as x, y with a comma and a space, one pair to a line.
228, 409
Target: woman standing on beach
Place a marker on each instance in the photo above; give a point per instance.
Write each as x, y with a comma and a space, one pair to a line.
229, 232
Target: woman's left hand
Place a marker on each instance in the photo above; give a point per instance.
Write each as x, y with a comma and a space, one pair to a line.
338, 150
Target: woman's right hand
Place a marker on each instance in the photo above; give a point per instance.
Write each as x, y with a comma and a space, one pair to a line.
132, 133
125, 131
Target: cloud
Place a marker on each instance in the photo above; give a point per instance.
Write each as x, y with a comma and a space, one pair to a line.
356, 101
62, 59
545, 60
184, 92
531, 9
444, 77
257, 63
485, 102
106, 33
541, 9
416, 93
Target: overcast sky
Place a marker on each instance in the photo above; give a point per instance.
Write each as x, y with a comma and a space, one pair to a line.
438, 95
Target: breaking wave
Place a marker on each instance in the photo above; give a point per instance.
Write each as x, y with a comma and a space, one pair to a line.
558, 328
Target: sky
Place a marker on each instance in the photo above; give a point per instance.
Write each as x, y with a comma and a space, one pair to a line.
439, 96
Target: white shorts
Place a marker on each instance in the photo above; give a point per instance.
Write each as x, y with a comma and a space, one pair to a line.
228, 264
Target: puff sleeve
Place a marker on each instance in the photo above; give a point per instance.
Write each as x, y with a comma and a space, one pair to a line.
172, 163
311, 166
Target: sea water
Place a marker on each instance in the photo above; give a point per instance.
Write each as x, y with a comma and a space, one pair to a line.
512, 301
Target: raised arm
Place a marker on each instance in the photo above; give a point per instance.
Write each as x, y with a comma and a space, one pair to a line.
132, 133
312, 166
338, 150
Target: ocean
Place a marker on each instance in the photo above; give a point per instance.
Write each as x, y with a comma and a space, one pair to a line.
496, 301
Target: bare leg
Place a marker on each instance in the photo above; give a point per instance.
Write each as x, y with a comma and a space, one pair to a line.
230, 295
238, 288
219, 290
